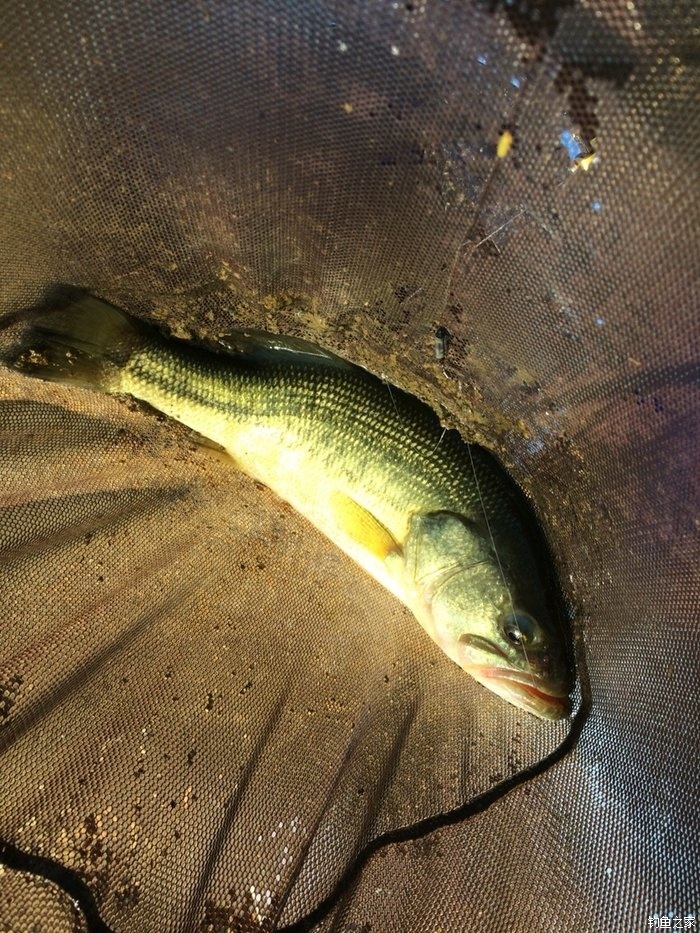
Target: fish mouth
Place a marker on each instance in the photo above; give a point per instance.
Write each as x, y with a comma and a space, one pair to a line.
525, 692
545, 699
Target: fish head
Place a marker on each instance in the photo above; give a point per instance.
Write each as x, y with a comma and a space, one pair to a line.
470, 602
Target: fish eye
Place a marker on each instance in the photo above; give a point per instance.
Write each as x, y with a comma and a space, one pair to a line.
518, 628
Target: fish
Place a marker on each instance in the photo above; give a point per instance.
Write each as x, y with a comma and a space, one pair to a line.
434, 519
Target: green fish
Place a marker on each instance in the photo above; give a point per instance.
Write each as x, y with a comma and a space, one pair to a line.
435, 520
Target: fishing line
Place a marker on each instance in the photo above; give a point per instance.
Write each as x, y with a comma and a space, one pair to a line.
439, 440
495, 551
391, 394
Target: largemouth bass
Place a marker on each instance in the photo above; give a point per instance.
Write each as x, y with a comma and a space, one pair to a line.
435, 520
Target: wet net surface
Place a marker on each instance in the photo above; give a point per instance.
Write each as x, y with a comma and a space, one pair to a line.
210, 718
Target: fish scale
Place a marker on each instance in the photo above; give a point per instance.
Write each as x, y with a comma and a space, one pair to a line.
334, 406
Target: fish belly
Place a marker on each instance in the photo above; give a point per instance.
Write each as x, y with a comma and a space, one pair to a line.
312, 480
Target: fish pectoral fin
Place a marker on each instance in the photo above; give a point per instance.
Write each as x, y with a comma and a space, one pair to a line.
362, 527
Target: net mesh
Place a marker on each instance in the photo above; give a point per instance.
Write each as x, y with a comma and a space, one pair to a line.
209, 718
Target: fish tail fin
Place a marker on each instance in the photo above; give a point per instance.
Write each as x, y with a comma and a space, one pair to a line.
86, 342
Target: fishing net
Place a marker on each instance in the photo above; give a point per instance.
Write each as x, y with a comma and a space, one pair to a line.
210, 719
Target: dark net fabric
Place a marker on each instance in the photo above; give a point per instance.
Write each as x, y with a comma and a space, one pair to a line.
31, 902
210, 719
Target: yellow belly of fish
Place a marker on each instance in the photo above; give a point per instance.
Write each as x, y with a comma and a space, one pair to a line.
340, 511
366, 528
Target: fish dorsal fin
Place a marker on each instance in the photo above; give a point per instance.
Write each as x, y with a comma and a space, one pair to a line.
362, 527
261, 346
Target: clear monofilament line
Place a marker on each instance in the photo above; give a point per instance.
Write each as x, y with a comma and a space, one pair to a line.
495, 551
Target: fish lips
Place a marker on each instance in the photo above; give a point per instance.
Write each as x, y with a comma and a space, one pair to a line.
525, 692
547, 698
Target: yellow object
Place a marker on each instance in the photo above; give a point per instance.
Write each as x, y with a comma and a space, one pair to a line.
505, 143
